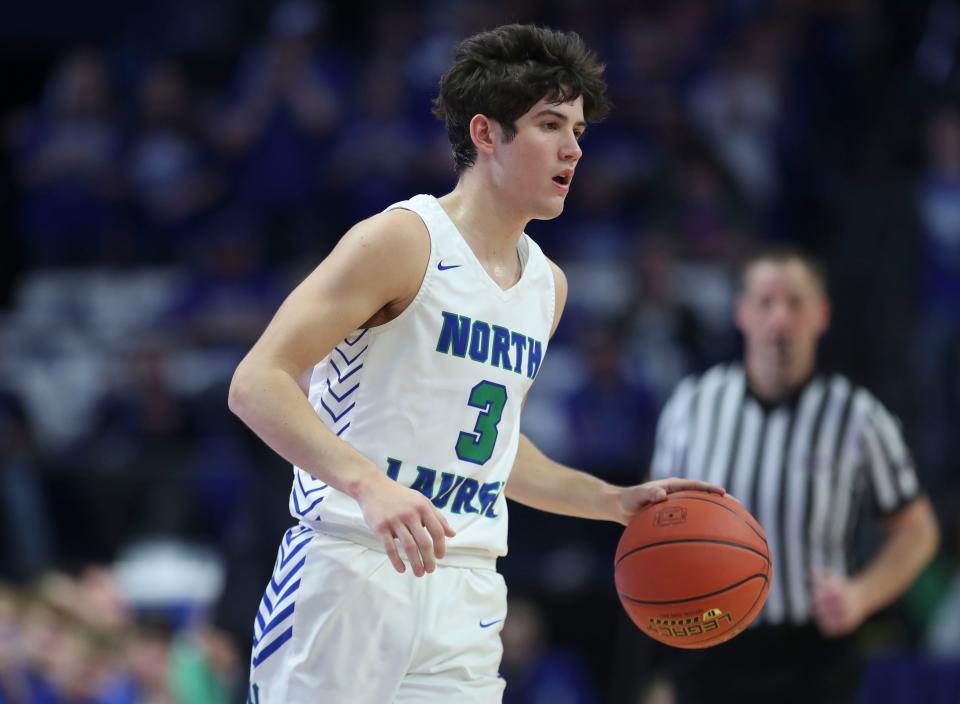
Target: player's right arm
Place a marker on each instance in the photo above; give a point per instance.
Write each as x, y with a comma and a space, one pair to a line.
373, 273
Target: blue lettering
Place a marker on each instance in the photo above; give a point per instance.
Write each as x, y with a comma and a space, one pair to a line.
393, 468
463, 490
501, 348
424, 481
454, 333
488, 497
460, 336
448, 483
467, 491
519, 342
480, 341
534, 357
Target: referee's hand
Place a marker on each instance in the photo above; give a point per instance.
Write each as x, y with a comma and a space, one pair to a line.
837, 605
633, 498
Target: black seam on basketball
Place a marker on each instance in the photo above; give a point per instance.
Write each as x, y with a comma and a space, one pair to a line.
732, 632
762, 536
693, 598
627, 554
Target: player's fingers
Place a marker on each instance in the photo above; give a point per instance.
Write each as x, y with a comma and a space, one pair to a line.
637, 497
672, 485
409, 545
390, 547
447, 530
434, 526
424, 547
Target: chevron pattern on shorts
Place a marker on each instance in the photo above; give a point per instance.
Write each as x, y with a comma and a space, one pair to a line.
274, 624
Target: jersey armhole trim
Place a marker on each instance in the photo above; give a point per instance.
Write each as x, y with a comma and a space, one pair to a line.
554, 323
425, 282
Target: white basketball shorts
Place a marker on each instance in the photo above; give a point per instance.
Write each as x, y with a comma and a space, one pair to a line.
339, 625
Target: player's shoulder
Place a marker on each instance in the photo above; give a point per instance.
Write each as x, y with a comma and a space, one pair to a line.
390, 229
387, 253
392, 242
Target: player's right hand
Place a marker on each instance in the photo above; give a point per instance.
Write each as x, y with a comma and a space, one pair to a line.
397, 514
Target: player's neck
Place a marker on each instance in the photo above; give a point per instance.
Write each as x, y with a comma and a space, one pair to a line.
488, 225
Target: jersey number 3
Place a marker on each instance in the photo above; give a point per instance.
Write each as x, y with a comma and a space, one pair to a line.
477, 447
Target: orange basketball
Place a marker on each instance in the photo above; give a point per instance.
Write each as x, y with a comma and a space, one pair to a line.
693, 571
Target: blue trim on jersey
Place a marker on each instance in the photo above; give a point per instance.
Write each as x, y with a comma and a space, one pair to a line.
349, 361
344, 397
357, 338
303, 488
295, 533
336, 417
340, 377
302, 512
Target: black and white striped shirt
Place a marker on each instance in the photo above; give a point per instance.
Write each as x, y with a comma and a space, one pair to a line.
804, 468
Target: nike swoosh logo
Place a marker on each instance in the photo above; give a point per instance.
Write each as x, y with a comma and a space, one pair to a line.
441, 267
492, 623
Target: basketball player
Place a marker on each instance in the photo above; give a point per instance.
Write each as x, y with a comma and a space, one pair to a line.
805, 452
424, 329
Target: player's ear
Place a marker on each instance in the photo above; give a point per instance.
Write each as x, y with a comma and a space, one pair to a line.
482, 130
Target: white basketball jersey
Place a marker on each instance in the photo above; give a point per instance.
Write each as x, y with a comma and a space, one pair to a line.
433, 397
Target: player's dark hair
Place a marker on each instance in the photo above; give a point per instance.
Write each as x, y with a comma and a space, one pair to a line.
504, 72
783, 254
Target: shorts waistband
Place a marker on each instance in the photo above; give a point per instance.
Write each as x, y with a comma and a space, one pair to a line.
456, 558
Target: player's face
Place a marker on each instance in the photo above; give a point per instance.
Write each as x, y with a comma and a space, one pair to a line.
782, 313
535, 168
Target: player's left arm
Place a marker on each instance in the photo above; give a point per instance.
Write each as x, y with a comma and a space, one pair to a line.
841, 604
539, 482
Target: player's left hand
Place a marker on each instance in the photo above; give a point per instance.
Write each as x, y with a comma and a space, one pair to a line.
633, 498
837, 604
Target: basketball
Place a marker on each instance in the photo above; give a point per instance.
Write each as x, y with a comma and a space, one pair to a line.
693, 571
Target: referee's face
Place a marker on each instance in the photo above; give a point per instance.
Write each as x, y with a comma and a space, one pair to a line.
782, 313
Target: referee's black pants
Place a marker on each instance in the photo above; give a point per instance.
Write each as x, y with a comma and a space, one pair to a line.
769, 665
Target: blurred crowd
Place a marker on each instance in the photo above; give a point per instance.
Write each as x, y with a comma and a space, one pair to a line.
170, 185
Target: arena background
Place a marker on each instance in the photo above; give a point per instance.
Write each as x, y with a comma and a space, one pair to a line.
171, 169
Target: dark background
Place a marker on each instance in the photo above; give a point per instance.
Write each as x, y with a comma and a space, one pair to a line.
171, 169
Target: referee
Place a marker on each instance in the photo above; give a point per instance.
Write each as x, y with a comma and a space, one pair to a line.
806, 453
